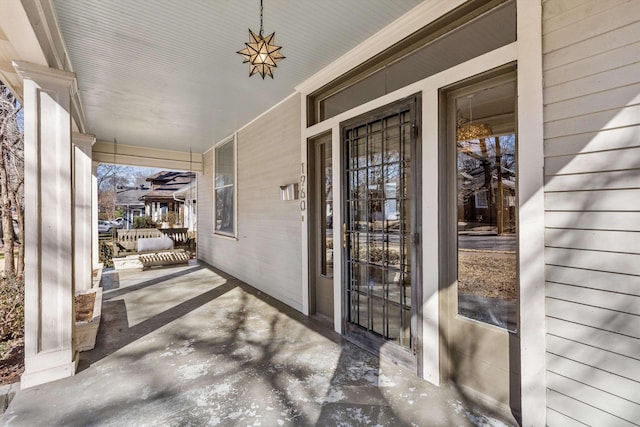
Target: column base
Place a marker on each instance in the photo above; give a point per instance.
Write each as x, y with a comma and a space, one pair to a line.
37, 377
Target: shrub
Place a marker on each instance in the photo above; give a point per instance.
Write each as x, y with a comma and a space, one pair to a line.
106, 254
12, 308
143, 222
171, 218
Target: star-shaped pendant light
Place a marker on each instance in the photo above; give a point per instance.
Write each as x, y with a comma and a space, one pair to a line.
260, 52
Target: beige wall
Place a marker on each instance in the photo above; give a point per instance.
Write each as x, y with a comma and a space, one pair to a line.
267, 251
591, 60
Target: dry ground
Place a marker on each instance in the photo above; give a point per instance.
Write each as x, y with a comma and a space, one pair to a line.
11, 360
487, 274
12, 351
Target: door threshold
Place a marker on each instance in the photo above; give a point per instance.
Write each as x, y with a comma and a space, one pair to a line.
323, 320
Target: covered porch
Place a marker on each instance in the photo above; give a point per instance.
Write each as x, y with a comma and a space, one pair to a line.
350, 187
191, 345
152, 103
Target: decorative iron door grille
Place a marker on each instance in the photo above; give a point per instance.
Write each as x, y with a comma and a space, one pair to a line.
380, 234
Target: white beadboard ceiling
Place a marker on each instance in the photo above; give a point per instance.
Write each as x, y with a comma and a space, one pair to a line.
165, 73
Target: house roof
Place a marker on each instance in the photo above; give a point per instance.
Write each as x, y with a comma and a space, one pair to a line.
131, 196
167, 183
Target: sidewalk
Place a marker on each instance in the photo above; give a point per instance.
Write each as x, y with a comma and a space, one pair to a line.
191, 346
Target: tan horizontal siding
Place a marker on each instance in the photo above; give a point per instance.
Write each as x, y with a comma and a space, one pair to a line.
606, 100
555, 418
599, 161
591, 65
608, 320
561, 14
605, 200
604, 81
597, 338
587, 142
589, 220
593, 279
593, 122
585, 22
618, 38
622, 263
595, 240
618, 411
266, 253
608, 180
623, 366
623, 388
205, 208
587, 414
591, 94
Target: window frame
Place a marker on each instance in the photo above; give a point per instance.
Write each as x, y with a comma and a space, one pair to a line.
233, 139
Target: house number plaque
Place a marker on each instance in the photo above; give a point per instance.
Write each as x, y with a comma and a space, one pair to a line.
303, 193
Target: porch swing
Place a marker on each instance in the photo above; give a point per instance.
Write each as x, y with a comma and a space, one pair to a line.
145, 247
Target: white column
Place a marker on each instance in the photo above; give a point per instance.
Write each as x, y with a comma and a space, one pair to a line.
95, 245
49, 287
82, 237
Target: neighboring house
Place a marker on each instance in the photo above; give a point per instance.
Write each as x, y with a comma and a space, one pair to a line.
188, 194
129, 201
165, 202
541, 320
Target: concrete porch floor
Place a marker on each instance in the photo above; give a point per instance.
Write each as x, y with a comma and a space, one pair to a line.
190, 345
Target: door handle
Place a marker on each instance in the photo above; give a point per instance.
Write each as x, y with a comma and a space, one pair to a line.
344, 235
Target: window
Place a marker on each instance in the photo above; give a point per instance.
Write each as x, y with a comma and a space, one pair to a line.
486, 212
481, 199
474, 28
224, 188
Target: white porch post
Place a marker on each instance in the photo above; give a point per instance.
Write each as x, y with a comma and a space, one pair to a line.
82, 183
95, 246
49, 287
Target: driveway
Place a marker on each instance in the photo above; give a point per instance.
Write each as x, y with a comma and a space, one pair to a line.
190, 345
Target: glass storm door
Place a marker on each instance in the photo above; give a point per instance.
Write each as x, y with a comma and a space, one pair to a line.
380, 231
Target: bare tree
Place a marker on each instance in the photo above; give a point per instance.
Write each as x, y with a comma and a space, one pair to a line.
11, 178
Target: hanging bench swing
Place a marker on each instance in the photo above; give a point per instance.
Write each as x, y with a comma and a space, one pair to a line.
146, 247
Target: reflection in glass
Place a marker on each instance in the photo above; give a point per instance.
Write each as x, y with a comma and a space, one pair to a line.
224, 209
326, 203
486, 205
224, 164
224, 188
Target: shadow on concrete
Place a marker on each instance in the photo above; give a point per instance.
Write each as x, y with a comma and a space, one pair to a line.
115, 333
113, 282
213, 350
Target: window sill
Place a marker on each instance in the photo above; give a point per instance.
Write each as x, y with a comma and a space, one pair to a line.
225, 236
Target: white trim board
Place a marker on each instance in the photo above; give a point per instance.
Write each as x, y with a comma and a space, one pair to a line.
401, 28
429, 88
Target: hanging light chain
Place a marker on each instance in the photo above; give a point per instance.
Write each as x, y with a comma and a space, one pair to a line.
261, 28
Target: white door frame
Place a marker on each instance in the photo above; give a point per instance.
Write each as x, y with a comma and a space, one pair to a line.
527, 53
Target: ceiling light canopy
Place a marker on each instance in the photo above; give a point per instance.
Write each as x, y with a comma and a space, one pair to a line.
260, 52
